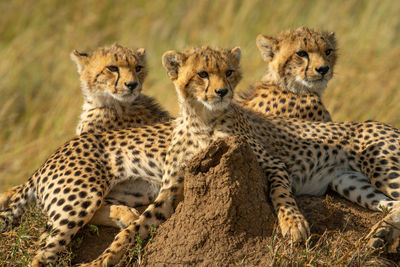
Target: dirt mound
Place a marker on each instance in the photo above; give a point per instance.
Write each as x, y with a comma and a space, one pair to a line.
224, 219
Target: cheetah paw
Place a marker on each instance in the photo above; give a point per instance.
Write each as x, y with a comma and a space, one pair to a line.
386, 233
296, 228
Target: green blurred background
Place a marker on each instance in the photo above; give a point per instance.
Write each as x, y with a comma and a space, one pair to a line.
40, 96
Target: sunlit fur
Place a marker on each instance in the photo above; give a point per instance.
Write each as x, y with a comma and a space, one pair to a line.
295, 72
221, 66
102, 86
112, 79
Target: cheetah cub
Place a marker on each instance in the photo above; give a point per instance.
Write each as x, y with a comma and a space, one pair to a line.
98, 178
300, 64
111, 81
297, 156
205, 79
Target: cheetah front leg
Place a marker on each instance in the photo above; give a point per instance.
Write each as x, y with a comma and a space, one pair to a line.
6, 196
170, 195
291, 220
118, 216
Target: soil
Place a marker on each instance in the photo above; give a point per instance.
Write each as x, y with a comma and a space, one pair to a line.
226, 219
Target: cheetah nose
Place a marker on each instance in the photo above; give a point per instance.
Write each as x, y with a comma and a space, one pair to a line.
131, 85
221, 92
322, 70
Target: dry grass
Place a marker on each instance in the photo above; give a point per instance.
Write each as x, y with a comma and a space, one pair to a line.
18, 245
331, 248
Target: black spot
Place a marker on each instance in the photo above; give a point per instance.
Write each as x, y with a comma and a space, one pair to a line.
160, 216
395, 194
86, 204
370, 195
71, 225
67, 208
137, 228
346, 192
63, 222
158, 204
78, 182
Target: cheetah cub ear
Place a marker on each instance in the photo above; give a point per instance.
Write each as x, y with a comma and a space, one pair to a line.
267, 46
141, 52
237, 53
81, 59
332, 39
172, 60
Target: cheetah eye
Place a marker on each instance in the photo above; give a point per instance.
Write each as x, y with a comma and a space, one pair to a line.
302, 53
328, 52
228, 73
203, 74
138, 69
112, 68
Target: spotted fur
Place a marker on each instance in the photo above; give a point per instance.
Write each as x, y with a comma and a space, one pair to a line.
300, 64
111, 81
99, 178
297, 156
110, 104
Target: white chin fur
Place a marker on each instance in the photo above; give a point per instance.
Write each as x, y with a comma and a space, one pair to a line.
126, 98
304, 83
218, 105
315, 86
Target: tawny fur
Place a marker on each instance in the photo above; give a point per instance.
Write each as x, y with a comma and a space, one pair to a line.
300, 64
112, 81
297, 156
108, 103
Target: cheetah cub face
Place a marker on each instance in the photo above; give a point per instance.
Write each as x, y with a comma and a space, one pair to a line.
301, 60
204, 76
111, 73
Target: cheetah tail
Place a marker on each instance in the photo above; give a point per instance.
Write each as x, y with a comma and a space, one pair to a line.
13, 201
6, 196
